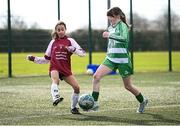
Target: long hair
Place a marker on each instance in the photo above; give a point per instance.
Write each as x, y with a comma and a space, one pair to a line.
54, 34
116, 11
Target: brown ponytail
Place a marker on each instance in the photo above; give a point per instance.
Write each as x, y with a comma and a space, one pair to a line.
116, 11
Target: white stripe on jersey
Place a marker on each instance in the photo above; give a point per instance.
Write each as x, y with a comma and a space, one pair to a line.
117, 50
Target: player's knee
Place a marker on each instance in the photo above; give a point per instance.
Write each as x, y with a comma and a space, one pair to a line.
96, 77
56, 81
128, 87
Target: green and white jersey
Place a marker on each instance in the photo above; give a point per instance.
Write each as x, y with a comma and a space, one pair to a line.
117, 50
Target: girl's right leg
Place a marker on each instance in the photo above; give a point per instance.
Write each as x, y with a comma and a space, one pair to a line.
101, 71
54, 87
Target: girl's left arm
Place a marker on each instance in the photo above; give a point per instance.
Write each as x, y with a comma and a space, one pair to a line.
76, 49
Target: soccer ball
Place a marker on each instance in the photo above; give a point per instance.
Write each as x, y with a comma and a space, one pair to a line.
86, 102
89, 71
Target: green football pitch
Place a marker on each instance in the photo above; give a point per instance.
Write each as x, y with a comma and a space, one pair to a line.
27, 101
143, 62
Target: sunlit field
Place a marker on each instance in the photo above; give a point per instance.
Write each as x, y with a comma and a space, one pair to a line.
27, 101
143, 62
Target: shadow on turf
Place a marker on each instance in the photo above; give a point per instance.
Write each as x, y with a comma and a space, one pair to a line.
158, 119
162, 119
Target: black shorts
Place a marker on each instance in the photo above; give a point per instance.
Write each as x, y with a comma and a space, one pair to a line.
60, 76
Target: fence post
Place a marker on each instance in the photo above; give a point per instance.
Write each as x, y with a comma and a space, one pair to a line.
169, 36
58, 9
90, 35
9, 42
131, 35
108, 6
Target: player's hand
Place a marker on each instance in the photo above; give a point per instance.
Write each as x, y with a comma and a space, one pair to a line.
30, 57
105, 34
71, 49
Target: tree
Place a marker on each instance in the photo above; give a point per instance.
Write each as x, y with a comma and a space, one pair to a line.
35, 26
139, 23
161, 23
17, 22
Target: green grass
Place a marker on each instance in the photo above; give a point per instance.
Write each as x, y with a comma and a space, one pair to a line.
143, 62
155, 61
27, 101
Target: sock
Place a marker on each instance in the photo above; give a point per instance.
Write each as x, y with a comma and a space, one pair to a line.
74, 100
54, 91
95, 95
140, 97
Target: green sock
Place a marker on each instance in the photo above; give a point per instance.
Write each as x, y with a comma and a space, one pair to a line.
95, 95
140, 97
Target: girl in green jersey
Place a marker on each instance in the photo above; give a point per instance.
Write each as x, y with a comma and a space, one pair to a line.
117, 57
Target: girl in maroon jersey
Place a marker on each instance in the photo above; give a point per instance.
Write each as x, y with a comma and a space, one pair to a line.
58, 54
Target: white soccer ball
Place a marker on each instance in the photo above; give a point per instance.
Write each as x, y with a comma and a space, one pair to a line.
89, 71
86, 102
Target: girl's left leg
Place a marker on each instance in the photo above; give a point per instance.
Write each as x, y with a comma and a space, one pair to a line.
142, 100
75, 95
128, 85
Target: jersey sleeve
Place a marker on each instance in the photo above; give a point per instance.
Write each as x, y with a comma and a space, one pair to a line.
41, 60
79, 51
48, 50
47, 56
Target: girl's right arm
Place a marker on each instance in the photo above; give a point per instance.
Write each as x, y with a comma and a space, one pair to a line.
42, 60
38, 60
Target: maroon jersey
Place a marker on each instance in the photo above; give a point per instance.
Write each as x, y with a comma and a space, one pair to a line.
58, 54
60, 57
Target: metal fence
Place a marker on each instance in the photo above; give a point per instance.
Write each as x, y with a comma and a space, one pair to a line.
34, 15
